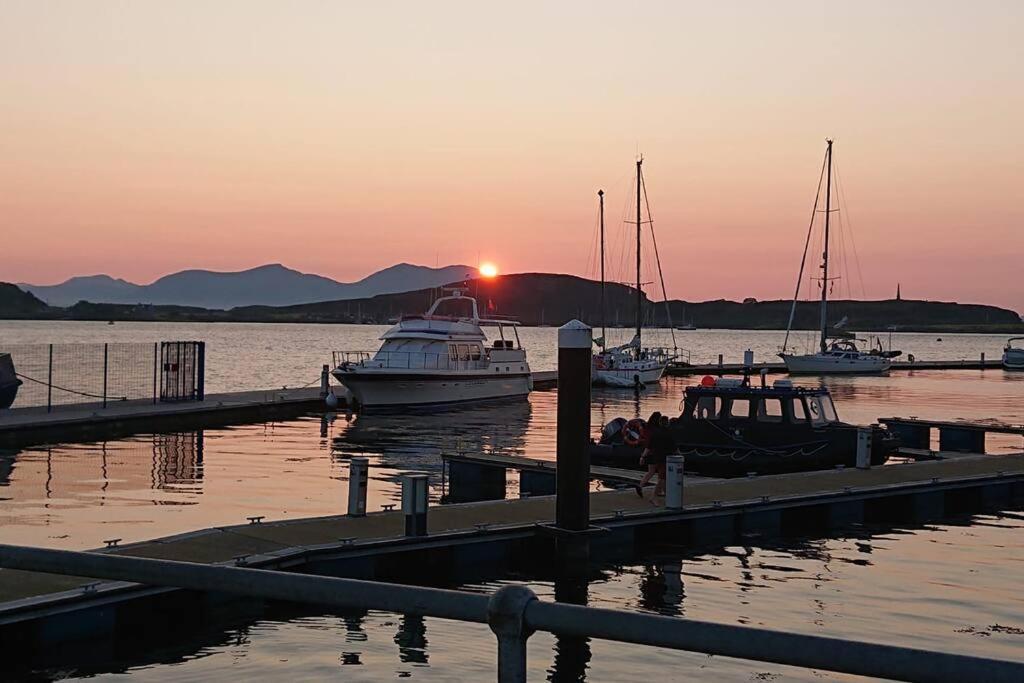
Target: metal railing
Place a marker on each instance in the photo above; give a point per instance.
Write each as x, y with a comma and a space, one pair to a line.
97, 375
409, 360
514, 612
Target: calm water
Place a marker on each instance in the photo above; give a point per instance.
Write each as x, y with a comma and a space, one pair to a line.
952, 585
262, 356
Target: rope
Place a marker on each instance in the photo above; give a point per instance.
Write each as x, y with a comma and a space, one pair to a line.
71, 391
657, 259
803, 259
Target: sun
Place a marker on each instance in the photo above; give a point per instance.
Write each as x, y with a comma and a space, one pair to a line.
488, 269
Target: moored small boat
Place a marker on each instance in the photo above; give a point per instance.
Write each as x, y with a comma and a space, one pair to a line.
729, 428
1013, 356
9, 381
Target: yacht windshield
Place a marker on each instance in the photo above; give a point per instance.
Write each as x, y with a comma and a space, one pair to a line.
828, 409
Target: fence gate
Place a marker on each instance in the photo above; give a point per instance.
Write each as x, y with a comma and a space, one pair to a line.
182, 367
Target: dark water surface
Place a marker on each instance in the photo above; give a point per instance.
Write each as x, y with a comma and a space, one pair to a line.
951, 586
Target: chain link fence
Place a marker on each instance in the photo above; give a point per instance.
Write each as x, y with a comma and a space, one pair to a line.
101, 375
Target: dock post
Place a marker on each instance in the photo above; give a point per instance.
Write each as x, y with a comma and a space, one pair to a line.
719, 360
358, 476
105, 366
414, 504
674, 482
572, 484
864, 448
982, 360
505, 615
325, 385
49, 382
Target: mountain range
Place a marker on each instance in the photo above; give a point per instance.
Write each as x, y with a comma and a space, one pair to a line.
551, 299
269, 285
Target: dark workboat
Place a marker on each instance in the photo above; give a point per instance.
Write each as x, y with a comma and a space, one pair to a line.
730, 428
9, 381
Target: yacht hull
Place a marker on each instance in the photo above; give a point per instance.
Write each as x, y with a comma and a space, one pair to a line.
627, 377
818, 364
379, 390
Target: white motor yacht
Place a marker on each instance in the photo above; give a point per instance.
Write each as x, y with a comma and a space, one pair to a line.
439, 358
1013, 356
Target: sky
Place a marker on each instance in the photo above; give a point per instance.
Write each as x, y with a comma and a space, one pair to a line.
140, 138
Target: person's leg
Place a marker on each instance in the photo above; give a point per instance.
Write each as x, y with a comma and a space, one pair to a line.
651, 469
659, 490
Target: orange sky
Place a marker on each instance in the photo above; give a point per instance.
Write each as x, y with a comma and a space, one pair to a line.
138, 138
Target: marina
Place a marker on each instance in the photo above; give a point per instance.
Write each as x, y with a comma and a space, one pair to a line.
482, 521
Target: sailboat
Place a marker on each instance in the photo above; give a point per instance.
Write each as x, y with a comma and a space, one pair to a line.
835, 356
630, 364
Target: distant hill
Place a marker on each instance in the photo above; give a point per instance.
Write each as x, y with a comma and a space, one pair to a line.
544, 298
15, 303
270, 285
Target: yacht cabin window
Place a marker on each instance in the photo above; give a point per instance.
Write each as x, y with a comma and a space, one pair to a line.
799, 412
769, 410
739, 408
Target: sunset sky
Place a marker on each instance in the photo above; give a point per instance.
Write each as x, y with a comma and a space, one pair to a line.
140, 138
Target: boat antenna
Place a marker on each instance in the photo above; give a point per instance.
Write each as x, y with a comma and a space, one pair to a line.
803, 259
639, 223
604, 316
824, 262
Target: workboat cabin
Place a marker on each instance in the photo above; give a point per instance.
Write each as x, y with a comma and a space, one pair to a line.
728, 427
441, 357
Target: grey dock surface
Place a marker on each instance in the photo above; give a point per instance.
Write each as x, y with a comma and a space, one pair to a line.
294, 543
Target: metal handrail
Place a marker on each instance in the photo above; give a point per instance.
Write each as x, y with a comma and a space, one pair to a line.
513, 612
409, 360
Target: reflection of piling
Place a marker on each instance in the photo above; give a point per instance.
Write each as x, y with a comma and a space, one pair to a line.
572, 504
325, 382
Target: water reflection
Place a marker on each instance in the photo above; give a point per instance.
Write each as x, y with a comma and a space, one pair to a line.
171, 462
411, 639
572, 653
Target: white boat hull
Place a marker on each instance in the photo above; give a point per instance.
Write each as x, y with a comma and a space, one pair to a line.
1013, 359
390, 390
826, 364
627, 376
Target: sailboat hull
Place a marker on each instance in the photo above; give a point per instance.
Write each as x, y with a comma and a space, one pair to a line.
836, 364
645, 373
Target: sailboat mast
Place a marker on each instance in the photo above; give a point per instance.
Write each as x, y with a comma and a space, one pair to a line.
604, 315
639, 294
824, 264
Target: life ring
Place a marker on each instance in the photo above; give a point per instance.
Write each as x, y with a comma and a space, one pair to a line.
633, 432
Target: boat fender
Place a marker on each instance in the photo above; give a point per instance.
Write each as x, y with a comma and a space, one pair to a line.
633, 432
707, 381
910, 357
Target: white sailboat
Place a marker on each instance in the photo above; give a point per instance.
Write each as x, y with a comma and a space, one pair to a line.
630, 364
835, 356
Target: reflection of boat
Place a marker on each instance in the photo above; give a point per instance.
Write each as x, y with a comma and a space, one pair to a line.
729, 428
629, 364
1013, 356
837, 357
440, 357
9, 381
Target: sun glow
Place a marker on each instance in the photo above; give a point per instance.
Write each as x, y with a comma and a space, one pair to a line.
488, 269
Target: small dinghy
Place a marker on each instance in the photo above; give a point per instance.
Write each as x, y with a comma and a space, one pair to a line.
9, 381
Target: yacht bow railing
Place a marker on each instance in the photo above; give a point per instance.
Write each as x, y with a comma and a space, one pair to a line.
407, 360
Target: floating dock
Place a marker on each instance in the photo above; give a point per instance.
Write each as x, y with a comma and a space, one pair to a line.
24, 426
465, 537
685, 369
